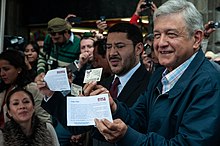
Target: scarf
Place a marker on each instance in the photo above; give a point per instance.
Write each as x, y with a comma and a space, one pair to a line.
14, 136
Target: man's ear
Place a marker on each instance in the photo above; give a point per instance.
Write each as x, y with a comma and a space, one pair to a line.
66, 34
139, 48
198, 37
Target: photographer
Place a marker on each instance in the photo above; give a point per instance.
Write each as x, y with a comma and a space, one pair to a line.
209, 28
148, 56
61, 46
101, 25
142, 6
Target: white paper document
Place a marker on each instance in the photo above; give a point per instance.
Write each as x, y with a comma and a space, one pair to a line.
57, 79
81, 111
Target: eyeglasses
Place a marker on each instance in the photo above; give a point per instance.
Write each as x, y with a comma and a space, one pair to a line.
117, 46
59, 33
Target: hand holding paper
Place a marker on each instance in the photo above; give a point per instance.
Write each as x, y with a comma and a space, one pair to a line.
81, 111
57, 79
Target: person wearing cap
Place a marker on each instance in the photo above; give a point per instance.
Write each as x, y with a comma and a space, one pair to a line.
61, 46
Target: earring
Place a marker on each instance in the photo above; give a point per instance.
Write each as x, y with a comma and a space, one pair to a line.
7, 114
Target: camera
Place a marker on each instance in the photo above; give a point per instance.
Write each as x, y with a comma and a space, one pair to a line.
147, 49
148, 4
214, 25
14, 42
52, 64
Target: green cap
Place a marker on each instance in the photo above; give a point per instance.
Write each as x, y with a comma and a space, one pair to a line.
58, 25
87, 34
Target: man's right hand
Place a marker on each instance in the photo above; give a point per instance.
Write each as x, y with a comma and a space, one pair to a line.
42, 85
208, 30
101, 25
83, 59
139, 8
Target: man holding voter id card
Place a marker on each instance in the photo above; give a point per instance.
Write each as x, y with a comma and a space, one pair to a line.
123, 48
181, 106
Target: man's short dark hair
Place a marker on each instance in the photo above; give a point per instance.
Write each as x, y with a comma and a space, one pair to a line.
100, 44
133, 32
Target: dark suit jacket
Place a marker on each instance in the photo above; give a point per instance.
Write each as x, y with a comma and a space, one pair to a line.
133, 88
137, 84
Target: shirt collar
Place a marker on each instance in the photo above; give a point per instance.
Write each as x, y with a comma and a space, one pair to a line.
71, 37
169, 79
124, 79
182, 66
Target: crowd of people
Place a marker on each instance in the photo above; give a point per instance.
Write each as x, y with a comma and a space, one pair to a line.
162, 88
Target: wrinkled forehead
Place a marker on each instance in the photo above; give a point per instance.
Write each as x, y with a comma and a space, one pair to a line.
167, 22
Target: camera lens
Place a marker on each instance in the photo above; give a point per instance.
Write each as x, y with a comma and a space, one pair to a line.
102, 18
214, 25
147, 49
149, 4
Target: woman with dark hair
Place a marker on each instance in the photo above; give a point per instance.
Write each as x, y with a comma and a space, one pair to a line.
25, 128
14, 73
31, 51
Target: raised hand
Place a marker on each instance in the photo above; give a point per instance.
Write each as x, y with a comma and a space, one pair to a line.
42, 85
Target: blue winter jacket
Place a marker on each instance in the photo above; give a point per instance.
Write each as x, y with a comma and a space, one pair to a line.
189, 114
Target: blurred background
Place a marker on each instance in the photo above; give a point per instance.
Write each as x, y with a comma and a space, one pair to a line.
25, 17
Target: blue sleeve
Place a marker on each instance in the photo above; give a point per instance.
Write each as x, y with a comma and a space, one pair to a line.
136, 116
196, 124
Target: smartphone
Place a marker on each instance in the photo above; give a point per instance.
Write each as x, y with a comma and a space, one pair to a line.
147, 49
74, 19
148, 4
102, 18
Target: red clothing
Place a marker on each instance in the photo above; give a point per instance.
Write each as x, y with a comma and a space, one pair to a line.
134, 19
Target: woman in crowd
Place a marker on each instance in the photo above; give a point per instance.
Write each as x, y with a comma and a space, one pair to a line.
14, 73
31, 51
25, 128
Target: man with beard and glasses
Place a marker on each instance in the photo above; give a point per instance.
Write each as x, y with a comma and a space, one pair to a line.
123, 48
181, 104
61, 46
